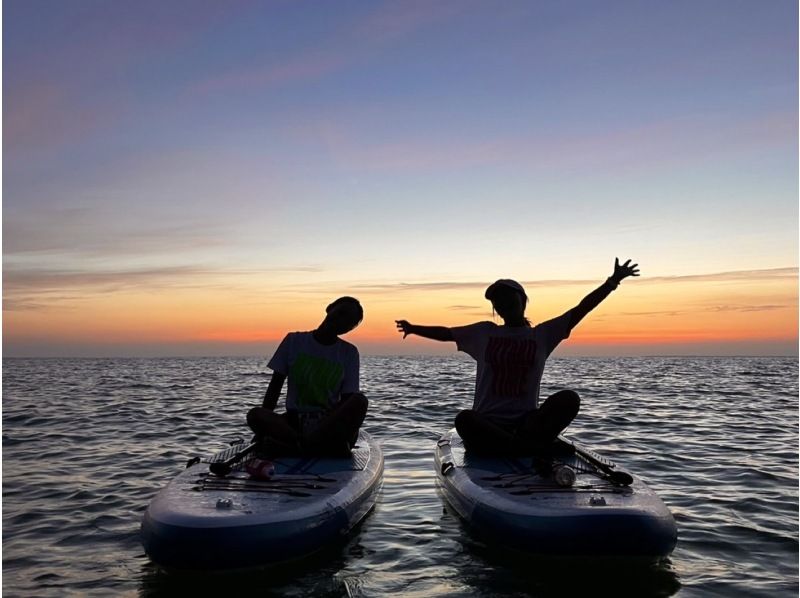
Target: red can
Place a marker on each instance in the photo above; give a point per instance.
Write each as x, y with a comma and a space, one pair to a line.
261, 469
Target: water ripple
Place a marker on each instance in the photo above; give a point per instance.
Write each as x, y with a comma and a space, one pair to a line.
88, 442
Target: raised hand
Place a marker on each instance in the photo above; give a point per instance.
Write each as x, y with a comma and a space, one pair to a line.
404, 326
623, 271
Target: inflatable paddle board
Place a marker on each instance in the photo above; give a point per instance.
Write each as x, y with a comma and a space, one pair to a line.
205, 521
572, 502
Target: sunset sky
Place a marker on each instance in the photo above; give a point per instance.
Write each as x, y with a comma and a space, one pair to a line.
198, 178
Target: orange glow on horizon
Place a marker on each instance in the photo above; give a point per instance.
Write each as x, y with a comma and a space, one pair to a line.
642, 312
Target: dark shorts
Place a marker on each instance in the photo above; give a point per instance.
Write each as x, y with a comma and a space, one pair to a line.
511, 425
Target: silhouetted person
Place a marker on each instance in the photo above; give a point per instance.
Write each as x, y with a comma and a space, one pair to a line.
324, 408
506, 417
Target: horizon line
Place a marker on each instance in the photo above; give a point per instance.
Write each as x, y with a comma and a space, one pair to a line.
405, 355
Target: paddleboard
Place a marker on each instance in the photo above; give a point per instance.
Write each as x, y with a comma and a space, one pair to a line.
565, 504
203, 521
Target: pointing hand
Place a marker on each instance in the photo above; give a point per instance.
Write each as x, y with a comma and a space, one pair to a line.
404, 326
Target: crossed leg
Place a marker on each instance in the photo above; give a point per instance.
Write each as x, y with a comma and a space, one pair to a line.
335, 433
275, 430
535, 433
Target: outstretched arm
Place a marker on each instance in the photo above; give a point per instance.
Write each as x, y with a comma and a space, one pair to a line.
596, 297
437, 333
273, 391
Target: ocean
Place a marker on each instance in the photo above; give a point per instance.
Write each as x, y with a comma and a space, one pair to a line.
88, 442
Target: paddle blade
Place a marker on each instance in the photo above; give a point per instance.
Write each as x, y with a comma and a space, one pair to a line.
620, 478
220, 469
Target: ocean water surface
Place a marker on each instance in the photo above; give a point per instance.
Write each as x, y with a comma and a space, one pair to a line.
88, 442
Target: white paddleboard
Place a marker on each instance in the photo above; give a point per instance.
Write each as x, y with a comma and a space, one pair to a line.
202, 521
518, 502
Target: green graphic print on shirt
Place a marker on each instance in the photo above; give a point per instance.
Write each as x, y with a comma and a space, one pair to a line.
316, 379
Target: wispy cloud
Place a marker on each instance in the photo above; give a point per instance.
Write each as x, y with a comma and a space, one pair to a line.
418, 286
32, 288
44, 115
711, 309
27, 289
470, 310
730, 276
93, 46
353, 43
98, 231
308, 66
658, 143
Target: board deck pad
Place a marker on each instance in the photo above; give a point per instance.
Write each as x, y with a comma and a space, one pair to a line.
357, 461
520, 475
293, 476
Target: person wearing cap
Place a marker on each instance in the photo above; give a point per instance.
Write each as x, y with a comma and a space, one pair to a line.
324, 406
506, 417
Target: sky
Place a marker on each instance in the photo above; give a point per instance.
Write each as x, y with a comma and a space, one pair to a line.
199, 178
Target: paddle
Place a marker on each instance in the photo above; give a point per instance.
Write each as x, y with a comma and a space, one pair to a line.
618, 478
223, 468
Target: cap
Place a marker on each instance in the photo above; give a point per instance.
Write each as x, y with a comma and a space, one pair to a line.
504, 282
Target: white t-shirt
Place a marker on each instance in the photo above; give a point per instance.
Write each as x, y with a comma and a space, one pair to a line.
318, 374
510, 363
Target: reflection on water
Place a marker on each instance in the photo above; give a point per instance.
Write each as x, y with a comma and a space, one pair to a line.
316, 575
508, 572
87, 443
